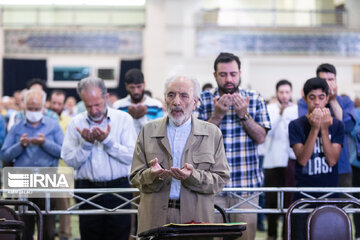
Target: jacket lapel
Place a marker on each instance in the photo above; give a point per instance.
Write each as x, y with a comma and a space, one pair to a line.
161, 134
195, 134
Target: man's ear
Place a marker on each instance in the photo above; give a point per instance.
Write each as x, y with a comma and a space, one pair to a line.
196, 101
107, 96
214, 75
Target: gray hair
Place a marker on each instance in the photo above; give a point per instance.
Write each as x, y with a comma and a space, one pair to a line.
32, 92
193, 80
90, 82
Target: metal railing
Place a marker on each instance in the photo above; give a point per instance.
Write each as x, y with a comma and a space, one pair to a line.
245, 195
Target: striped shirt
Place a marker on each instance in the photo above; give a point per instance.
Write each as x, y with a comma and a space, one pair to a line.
154, 110
241, 150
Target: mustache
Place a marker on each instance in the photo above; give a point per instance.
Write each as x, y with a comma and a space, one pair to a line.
176, 109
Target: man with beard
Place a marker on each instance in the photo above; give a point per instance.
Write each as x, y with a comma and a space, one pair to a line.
243, 119
278, 152
99, 144
141, 107
179, 162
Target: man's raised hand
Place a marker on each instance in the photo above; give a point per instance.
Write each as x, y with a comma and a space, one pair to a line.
86, 134
182, 174
157, 170
99, 134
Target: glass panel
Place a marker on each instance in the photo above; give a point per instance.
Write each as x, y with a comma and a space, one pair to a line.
70, 73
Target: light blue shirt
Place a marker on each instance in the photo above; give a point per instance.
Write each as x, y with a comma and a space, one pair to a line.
46, 155
178, 137
100, 161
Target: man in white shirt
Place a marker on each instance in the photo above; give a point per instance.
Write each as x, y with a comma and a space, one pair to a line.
99, 145
277, 148
141, 107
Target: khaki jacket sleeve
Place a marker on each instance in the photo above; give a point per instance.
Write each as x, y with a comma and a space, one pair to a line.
140, 175
212, 180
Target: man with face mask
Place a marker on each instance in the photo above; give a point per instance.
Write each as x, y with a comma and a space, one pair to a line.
35, 142
141, 107
242, 117
20, 115
277, 150
99, 145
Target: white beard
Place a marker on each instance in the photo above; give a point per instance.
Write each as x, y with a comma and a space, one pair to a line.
177, 121
98, 118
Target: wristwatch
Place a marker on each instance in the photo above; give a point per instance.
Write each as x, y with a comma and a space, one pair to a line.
245, 118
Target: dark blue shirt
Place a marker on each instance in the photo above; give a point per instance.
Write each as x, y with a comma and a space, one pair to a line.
46, 155
316, 173
2, 133
349, 122
2, 130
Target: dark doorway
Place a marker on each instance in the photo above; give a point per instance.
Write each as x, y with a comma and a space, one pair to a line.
16, 73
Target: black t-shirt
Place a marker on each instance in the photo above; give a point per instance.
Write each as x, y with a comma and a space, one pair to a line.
317, 173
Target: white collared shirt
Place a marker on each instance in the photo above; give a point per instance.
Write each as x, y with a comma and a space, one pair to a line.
178, 137
277, 147
100, 161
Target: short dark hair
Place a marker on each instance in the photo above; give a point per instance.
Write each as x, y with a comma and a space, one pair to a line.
326, 67
148, 92
58, 92
225, 57
34, 81
315, 83
283, 82
134, 76
206, 86
113, 93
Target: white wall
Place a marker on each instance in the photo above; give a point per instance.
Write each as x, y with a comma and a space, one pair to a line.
258, 72
154, 46
169, 49
262, 73
265, 72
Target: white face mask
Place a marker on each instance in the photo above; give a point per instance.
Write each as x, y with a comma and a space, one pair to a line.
33, 116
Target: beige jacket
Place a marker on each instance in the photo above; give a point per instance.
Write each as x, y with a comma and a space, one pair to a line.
204, 150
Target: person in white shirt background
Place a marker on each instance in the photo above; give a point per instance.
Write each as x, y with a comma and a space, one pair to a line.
277, 151
99, 145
